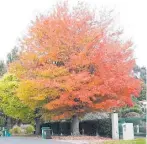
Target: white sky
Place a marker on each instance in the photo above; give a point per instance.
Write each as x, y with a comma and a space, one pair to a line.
15, 15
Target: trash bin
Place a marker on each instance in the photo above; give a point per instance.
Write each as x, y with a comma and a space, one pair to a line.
46, 133
6, 133
3, 132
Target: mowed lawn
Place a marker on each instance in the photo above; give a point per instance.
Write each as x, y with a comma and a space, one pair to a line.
136, 141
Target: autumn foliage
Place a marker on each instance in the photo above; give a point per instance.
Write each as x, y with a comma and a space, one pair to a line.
73, 63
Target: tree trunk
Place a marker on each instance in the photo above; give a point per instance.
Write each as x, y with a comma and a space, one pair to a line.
60, 127
19, 122
97, 132
9, 123
38, 122
75, 125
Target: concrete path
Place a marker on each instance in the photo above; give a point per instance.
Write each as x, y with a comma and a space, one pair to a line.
29, 140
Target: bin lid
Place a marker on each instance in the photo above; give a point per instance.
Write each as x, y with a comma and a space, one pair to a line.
45, 128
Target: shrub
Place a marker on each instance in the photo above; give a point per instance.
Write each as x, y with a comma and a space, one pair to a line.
134, 109
29, 129
135, 121
142, 129
2, 121
15, 130
105, 127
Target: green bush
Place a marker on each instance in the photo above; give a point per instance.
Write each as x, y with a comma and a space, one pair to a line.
15, 130
120, 128
105, 127
134, 109
142, 129
2, 121
29, 129
135, 121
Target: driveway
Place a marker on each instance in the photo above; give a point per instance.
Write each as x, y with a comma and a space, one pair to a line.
29, 140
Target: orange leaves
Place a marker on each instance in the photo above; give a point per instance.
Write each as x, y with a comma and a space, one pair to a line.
73, 65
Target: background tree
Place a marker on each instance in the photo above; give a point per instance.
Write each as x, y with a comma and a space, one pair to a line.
33, 93
76, 64
10, 105
2, 68
13, 55
140, 73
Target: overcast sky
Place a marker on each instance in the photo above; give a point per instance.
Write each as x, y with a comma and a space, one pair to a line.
15, 15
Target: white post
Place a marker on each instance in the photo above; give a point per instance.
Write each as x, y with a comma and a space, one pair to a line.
115, 130
137, 128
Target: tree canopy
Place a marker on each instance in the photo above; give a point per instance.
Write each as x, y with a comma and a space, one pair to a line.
72, 63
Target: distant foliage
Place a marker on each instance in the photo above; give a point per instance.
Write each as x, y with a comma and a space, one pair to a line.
15, 130
142, 72
29, 129
3, 68
13, 55
2, 121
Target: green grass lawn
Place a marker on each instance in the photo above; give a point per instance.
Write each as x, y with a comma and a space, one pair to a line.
136, 141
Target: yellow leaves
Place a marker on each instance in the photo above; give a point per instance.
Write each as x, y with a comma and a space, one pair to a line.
26, 91
52, 72
51, 92
33, 92
17, 69
38, 98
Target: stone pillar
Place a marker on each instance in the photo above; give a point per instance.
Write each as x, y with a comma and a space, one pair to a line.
115, 130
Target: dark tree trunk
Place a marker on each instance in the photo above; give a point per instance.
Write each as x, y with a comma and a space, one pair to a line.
75, 125
60, 127
19, 122
97, 131
13, 122
38, 122
9, 123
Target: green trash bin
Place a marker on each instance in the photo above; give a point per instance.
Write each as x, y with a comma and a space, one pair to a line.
46, 133
6, 133
3, 132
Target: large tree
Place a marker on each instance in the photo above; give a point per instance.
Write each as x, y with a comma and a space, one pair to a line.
77, 63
